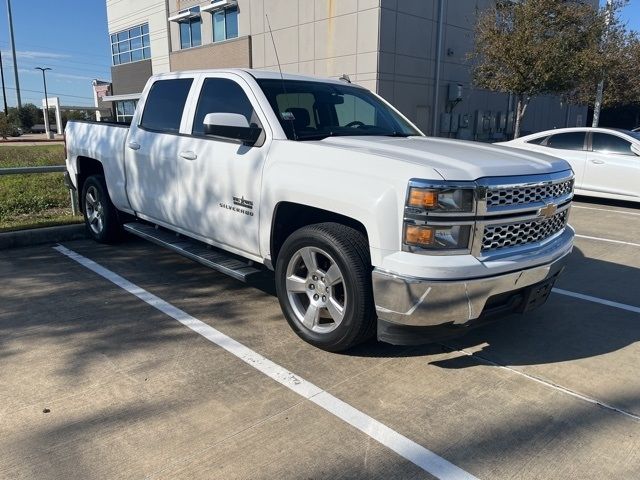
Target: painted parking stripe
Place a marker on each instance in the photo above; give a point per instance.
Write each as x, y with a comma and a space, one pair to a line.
608, 240
549, 384
606, 210
602, 301
406, 448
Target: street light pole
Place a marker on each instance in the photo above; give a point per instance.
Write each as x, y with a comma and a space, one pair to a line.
13, 50
4, 93
46, 102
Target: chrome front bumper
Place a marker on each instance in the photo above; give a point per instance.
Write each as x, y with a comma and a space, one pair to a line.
419, 302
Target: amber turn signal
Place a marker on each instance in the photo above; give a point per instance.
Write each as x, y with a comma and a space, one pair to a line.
421, 198
415, 235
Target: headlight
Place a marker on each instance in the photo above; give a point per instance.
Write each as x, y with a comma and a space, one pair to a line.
438, 237
441, 200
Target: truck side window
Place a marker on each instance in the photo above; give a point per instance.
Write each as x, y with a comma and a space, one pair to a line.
221, 95
165, 104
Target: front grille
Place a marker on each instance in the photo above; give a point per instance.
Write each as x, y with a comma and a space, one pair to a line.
523, 195
513, 234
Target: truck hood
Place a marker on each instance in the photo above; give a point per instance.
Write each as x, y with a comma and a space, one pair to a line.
454, 159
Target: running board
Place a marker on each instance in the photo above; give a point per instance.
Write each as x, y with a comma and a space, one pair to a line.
202, 253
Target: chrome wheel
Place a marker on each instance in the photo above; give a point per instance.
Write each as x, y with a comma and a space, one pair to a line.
315, 290
95, 210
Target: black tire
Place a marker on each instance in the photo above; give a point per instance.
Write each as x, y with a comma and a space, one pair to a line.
111, 229
349, 250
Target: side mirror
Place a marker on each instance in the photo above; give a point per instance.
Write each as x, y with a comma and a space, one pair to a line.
635, 149
232, 126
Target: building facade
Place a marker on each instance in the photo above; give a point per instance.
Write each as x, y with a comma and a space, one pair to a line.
388, 46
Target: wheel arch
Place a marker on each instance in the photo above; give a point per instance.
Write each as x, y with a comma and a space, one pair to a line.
290, 216
86, 167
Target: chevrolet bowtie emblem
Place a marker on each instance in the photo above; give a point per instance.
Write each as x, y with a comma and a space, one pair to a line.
548, 211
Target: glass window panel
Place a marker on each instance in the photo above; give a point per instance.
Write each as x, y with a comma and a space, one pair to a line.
123, 47
136, 43
232, 23
567, 141
120, 108
114, 38
165, 104
196, 32
219, 33
185, 35
130, 107
145, 28
147, 52
220, 95
605, 143
145, 40
125, 57
114, 48
136, 55
123, 35
116, 60
135, 32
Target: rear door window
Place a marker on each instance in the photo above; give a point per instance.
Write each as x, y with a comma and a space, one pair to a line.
605, 143
567, 141
165, 104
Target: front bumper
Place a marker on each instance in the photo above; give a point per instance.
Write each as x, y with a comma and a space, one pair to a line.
422, 305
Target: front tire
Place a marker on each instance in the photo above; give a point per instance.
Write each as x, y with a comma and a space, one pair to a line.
100, 215
323, 280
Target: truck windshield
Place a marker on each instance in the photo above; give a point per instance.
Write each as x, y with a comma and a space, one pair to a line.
310, 110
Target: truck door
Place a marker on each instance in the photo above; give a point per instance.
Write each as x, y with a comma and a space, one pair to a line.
220, 179
151, 151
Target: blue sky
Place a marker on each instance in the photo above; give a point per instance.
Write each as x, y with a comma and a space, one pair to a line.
69, 36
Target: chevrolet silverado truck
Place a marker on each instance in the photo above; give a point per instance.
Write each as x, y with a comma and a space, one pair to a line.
370, 226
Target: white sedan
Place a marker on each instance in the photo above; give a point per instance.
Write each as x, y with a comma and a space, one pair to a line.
606, 161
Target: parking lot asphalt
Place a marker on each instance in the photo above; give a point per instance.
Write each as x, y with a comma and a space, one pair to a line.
131, 392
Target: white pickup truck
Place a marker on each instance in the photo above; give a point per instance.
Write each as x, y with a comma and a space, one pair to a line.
369, 225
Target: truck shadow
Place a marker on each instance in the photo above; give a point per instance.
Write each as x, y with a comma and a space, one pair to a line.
564, 329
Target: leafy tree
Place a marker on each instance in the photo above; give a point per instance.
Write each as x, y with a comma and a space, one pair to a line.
534, 47
617, 63
30, 115
5, 127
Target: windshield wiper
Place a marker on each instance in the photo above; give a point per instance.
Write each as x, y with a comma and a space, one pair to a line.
320, 136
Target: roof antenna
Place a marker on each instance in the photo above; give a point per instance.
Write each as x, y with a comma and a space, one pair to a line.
290, 117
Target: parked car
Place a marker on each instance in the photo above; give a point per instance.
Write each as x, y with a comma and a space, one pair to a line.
369, 225
606, 161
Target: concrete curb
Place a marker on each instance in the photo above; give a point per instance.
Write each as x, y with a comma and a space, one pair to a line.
39, 236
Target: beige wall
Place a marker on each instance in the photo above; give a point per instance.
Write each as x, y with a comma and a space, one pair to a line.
227, 54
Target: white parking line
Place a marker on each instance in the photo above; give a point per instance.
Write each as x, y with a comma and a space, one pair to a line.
547, 383
408, 449
609, 240
606, 210
602, 301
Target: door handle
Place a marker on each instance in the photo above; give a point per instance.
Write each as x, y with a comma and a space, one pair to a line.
134, 146
188, 155
598, 162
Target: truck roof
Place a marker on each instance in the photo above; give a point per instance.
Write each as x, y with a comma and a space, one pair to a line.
260, 74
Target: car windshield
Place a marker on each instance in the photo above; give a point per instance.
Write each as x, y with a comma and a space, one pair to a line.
310, 110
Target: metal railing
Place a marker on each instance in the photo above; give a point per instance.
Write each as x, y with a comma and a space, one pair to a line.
44, 169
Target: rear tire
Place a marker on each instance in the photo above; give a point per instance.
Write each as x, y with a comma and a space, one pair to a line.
100, 215
323, 280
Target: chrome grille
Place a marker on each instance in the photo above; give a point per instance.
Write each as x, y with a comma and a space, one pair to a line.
513, 234
522, 195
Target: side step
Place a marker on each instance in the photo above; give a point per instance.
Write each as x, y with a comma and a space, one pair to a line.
195, 250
